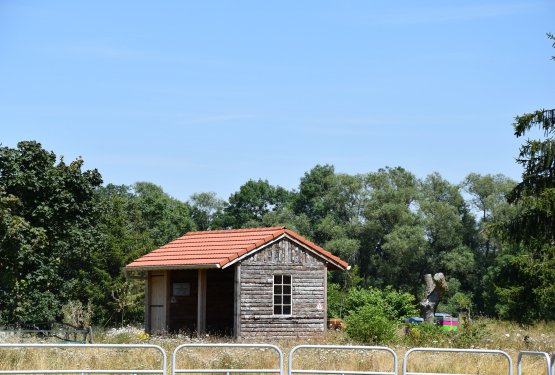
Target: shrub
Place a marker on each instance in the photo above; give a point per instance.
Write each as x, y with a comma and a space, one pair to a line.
370, 324
393, 304
426, 334
335, 301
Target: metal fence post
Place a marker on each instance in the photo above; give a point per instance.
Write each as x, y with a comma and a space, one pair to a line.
529, 353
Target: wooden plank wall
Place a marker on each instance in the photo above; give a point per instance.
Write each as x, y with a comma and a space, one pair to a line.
309, 294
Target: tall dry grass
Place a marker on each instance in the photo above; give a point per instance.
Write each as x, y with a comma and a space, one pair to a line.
483, 334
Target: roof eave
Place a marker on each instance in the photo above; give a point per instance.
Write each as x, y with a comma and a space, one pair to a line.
172, 267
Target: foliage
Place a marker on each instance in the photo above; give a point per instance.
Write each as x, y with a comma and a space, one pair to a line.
370, 324
253, 200
335, 301
64, 237
394, 305
135, 220
423, 334
524, 276
77, 314
49, 232
206, 210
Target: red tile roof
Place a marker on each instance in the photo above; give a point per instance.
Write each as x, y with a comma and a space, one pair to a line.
218, 248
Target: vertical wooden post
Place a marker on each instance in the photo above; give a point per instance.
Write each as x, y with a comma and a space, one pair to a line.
147, 302
237, 302
167, 275
201, 302
325, 296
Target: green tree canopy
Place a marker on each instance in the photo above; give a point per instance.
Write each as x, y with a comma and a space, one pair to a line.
48, 232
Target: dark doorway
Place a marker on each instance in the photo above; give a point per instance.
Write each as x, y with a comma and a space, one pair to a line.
219, 301
183, 301
183, 296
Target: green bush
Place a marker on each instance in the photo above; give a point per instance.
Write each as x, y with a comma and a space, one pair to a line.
370, 324
393, 304
426, 334
335, 301
470, 333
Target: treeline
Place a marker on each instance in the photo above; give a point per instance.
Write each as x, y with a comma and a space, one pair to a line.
65, 237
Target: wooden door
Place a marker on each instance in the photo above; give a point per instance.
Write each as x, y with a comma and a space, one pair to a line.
157, 303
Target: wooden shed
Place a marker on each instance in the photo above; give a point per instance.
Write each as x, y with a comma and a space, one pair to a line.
260, 282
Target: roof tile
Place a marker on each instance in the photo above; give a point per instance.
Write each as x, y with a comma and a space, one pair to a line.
219, 247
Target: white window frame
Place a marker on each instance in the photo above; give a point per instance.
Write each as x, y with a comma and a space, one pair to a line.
274, 295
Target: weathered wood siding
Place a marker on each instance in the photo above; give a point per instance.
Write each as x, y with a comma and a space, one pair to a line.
285, 257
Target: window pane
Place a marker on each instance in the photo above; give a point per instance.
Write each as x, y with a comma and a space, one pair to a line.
277, 310
277, 300
287, 289
277, 279
287, 280
277, 289
286, 300
286, 310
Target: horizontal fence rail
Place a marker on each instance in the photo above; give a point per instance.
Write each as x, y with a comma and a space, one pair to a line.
449, 350
64, 332
292, 370
88, 347
275, 370
548, 364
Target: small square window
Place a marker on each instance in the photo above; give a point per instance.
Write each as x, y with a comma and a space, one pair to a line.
282, 295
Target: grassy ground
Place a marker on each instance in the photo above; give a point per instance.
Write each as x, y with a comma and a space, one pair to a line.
480, 334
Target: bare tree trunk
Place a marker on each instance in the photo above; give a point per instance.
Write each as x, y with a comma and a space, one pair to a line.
435, 289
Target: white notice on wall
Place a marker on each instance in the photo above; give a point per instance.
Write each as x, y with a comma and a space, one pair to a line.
319, 306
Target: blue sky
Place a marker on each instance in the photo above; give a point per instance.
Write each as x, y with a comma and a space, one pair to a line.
202, 96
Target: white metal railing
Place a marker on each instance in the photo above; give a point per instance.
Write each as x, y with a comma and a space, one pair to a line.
449, 350
549, 361
86, 347
548, 365
228, 371
292, 370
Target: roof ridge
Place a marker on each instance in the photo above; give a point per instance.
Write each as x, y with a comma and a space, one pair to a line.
257, 229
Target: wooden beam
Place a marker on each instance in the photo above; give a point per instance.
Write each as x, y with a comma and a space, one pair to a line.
237, 302
147, 303
167, 276
201, 302
325, 297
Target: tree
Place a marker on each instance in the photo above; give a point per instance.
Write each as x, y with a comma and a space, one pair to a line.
445, 215
135, 220
247, 207
206, 208
163, 217
48, 232
436, 287
310, 199
488, 199
525, 278
392, 241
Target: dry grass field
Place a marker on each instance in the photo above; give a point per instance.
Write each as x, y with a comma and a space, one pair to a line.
482, 334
